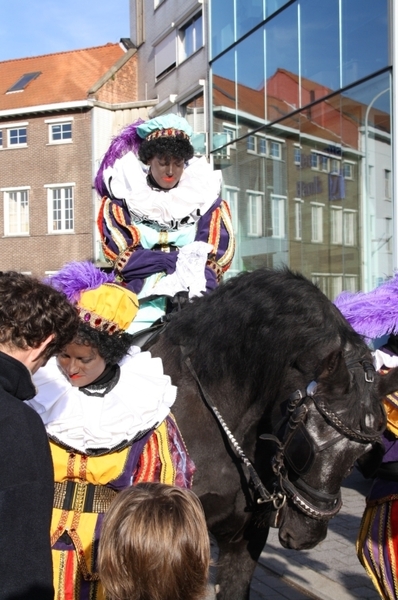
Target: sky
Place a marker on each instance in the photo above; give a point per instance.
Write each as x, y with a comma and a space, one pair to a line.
35, 27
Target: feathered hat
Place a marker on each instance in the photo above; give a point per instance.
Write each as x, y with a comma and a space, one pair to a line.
101, 303
132, 136
372, 314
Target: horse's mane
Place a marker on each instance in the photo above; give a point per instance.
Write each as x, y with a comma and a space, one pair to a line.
258, 320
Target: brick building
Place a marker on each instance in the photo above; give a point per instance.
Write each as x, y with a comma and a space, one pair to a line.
58, 113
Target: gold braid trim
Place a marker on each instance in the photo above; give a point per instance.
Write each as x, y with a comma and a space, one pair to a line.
225, 261
123, 259
214, 266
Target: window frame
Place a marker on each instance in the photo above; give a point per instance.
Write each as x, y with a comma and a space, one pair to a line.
196, 45
278, 208
350, 224
317, 224
6, 208
336, 226
255, 226
59, 123
298, 218
270, 152
252, 138
231, 192
61, 187
350, 167
167, 46
387, 184
19, 129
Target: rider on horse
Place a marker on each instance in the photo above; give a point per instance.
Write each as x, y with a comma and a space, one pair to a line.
164, 228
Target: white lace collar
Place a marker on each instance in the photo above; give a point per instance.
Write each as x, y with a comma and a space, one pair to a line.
198, 188
141, 399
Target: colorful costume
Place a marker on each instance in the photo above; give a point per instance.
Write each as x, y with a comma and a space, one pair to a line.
103, 439
377, 544
375, 315
162, 242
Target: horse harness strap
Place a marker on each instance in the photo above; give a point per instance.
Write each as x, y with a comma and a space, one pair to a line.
265, 496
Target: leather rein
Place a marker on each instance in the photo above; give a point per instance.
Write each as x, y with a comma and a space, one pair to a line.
293, 425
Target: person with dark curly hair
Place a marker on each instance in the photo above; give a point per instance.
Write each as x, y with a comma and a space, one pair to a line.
106, 409
35, 322
165, 229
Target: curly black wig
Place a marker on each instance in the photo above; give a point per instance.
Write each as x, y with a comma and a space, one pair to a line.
112, 348
176, 147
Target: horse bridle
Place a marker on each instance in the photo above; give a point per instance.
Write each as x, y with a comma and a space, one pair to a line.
292, 426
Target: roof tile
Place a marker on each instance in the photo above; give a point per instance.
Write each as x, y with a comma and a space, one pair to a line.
65, 76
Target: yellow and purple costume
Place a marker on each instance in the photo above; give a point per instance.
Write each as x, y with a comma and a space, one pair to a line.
102, 441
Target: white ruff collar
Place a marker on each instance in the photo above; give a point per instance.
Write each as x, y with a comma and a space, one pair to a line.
198, 188
141, 399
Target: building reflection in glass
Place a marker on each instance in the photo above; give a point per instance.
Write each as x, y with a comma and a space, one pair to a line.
301, 130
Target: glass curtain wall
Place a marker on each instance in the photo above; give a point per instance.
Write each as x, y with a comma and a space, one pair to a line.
301, 128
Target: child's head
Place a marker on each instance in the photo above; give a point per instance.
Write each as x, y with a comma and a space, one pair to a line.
154, 545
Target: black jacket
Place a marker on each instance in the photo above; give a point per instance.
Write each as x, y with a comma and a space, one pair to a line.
26, 490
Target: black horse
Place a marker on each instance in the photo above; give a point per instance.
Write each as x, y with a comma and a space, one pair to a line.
296, 388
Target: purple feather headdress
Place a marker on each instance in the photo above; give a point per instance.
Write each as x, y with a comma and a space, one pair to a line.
372, 314
127, 140
77, 277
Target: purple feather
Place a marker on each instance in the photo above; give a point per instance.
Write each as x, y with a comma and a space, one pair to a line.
77, 277
372, 314
128, 140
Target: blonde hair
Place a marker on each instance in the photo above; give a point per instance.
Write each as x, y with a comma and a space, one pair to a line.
154, 545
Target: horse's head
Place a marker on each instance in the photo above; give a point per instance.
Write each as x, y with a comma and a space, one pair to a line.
335, 419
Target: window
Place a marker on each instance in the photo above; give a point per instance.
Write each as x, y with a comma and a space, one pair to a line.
262, 146
275, 149
314, 160
350, 224
336, 225
351, 283
371, 186
230, 132
60, 132
317, 223
16, 212
347, 170
298, 220
227, 136
191, 36
387, 184
231, 197
166, 55
1, 138
324, 163
193, 111
17, 136
388, 234
336, 285
251, 143
60, 208
334, 166
297, 156
278, 216
22, 82
255, 214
